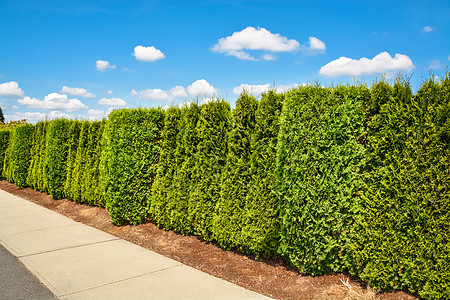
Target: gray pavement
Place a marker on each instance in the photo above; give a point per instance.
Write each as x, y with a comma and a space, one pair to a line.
76, 261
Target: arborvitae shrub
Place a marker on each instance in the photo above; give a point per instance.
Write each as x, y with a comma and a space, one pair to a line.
404, 239
93, 191
21, 154
4, 142
6, 161
74, 134
228, 216
260, 232
210, 158
166, 167
178, 204
319, 162
77, 188
35, 178
129, 162
55, 161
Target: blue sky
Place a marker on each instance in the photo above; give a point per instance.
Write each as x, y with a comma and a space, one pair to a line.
80, 59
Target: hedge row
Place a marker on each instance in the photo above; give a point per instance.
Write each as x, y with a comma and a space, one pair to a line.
4, 142
129, 162
404, 237
18, 156
340, 179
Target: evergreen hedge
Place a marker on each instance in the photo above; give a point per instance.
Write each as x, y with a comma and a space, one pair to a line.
55, 159
260, 232
35, 178
7, 166
131, 147
79, 165
228, 214
164, 180
403, 242
319, 162
212, 128
185, 161
4, 142
92, 186
20, 156
74, 135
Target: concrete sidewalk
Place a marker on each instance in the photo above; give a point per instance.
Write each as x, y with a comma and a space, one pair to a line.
76, 261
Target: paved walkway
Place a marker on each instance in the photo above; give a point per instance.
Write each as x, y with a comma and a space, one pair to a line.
76, 261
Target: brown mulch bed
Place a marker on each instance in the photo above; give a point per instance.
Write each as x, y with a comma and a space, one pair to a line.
273, 278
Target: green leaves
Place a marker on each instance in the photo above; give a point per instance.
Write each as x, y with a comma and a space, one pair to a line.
131, 148
4, 142
404, 237
319, 163
19, 155
228, 212
210, 157
55, 158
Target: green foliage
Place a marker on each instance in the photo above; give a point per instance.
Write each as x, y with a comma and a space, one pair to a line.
185, 160
404, 240
7, 172
210, 158
35, 178
77, 189
20, 155
55, 159
228, 217
4, 142
319, 162
92, 186
131, 147
260, 232
74, 134
166, 168
2, 117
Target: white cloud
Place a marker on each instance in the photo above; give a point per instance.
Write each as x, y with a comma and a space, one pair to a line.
448, 58
282, 88
11, 89
427, 29
435, 64
109, 92
95, 114
185, 104
256, 89
209, 100
269, 57
178, 91
147, 53
316, 44
201, 88
112, 102
77, 92
152, 94
53, 101
33, 117
252, 38
103, 65
381, 63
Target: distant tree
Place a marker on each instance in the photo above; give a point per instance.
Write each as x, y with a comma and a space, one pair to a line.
2, 117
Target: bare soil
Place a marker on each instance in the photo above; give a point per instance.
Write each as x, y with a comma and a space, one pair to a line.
271, 277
